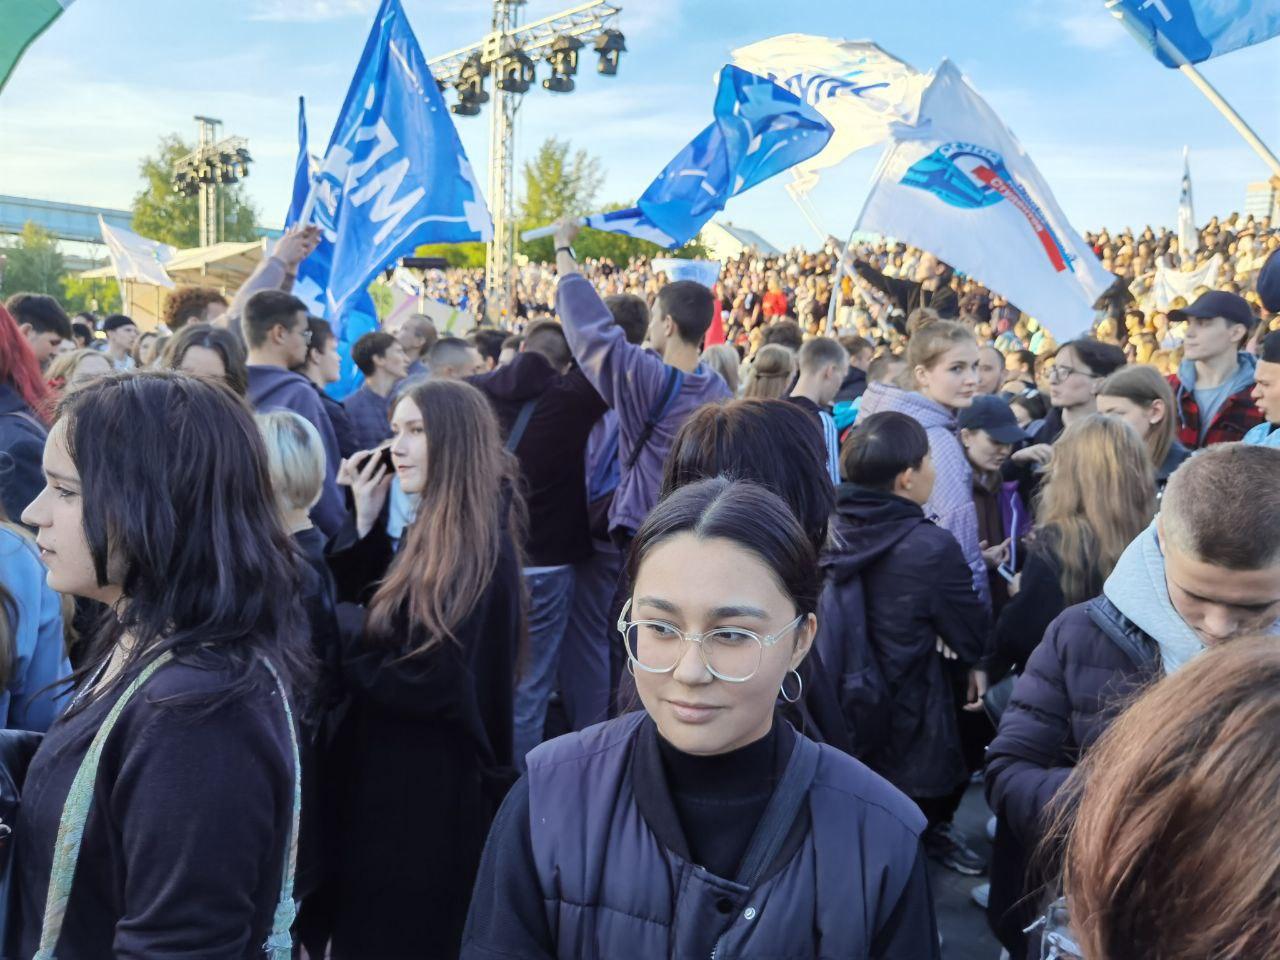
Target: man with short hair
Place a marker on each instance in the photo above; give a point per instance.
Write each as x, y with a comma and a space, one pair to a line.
42, 321
822, 365
1205, 572
417, 334
488, 342
384, 363
930, 288
452, 358
1214, 385
324, 367
193, 305
1266, 393
122, 334
784, 333
860, 351
546, 408
278, 331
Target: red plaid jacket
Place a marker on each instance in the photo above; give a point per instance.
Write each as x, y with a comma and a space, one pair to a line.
1236, 417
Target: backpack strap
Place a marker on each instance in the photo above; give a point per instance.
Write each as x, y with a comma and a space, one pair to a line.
671, 387
75, 813
279, 945
781, 811
522, 423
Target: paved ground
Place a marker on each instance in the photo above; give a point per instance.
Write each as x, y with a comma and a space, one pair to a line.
965, 934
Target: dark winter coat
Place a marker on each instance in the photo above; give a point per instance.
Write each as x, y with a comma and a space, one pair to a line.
853, 386
896, 583
21, 451
909, 295
552, 452
1092, 661
419, 765
185, 843
588, 861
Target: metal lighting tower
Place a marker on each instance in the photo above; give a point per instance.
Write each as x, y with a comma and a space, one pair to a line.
205, 169
506, 58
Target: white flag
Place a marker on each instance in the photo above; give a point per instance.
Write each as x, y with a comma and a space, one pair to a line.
1170, 283
855, 85
959, 185
705, 272
1188, 236
136, 258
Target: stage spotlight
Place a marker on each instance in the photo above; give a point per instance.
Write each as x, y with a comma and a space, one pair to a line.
515, 72
470, 88
564, 64
610, 45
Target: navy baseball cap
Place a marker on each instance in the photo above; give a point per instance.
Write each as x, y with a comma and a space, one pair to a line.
1218, 303
993, 416
1269, 282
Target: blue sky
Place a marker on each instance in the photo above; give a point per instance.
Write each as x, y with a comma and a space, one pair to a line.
1103, 121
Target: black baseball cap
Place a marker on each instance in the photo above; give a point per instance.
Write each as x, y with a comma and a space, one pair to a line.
1217, 303
1269, 282
116, 321
993, 416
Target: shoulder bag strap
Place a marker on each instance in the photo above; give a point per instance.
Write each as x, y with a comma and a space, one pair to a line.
781, 812
279, 945
522, 423
75, 812
674, 381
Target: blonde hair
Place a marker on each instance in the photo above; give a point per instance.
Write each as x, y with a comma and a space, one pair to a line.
62, 369
927, 346
1144, 386
295, 459
770, 374
1101, 493
724, 360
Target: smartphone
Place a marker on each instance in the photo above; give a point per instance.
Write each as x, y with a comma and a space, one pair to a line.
1006, 571
384, 457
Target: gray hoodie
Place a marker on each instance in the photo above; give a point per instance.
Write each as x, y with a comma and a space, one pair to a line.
630, 379
1242, 379
1138, 588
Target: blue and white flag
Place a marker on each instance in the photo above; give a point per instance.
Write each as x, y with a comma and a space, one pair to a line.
395, 175
1188, 235
857, 86
705, 272
302, 170
959, 185
759, 130
1192, 31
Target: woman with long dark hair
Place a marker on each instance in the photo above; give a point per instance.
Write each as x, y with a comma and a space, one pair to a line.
204, 350
703, 825
158, 505
24, 418
424, 753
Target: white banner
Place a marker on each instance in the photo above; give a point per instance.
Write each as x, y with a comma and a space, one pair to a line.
705, 272
136, 258
959, 185
1169, 284
854, 84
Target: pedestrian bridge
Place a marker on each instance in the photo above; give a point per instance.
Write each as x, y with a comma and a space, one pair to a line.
66, 221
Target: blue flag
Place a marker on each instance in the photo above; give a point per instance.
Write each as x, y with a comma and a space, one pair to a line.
1196, 30
302, 171
760, 129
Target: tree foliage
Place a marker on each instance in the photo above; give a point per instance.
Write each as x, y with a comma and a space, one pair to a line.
94, 296
160, 214
560, 182
458, 254
33, 263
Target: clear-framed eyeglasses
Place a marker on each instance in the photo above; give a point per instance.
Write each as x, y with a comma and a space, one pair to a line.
732, 654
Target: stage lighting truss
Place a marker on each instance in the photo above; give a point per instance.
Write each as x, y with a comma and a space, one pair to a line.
610, 45
221, 163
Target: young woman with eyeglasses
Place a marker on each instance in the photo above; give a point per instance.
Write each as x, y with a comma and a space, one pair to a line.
703, 826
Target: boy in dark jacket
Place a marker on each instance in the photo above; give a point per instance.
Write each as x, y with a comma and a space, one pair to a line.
1205, 572
900, 624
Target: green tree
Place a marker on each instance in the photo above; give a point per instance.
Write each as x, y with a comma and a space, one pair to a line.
33, 263
98, 296
458, 254
558, 182
160, 214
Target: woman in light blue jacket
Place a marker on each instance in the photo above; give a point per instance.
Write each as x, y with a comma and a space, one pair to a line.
32, 649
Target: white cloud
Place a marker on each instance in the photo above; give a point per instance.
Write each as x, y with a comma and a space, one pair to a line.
1093, 29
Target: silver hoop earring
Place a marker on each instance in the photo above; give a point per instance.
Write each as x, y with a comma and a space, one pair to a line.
799, 687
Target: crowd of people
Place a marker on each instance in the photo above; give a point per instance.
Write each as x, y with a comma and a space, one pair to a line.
668, 621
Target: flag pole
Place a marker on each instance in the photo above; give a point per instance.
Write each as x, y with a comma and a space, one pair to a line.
1175, 55
1237, 121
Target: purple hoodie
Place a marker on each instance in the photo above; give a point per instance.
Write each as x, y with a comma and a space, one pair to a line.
275, 388
952, 500
630, 379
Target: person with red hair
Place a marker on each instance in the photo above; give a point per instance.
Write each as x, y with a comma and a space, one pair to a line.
24, 417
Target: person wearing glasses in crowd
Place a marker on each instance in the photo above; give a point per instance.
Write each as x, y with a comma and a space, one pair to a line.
278, 332
701, 825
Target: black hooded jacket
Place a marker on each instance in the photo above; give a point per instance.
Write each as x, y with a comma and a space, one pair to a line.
551, 452
896, 582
